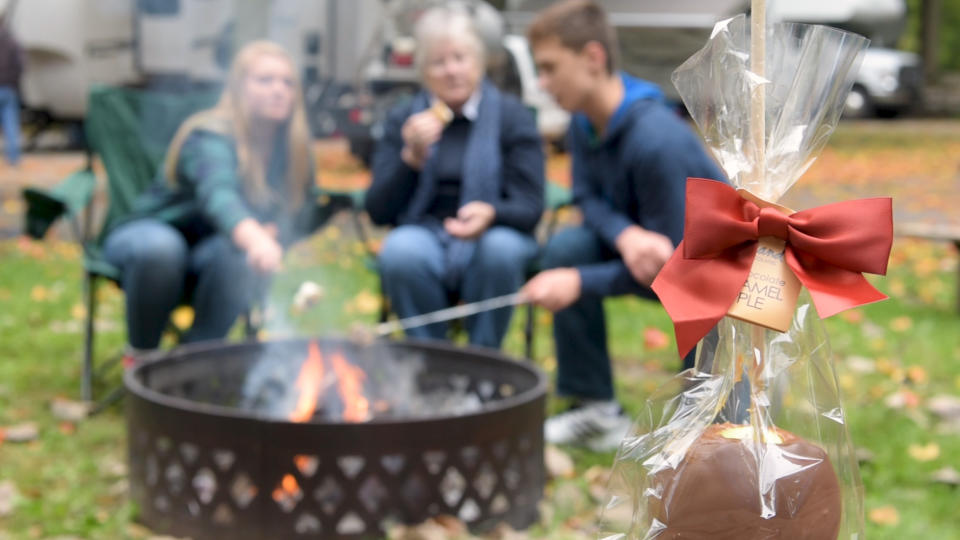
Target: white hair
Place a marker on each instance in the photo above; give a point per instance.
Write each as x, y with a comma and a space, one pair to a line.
451, 21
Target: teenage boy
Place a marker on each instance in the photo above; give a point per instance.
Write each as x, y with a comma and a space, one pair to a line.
632, 156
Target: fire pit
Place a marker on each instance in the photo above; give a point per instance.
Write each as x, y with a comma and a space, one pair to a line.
224, 441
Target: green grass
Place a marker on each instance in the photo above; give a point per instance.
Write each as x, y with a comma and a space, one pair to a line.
68, 481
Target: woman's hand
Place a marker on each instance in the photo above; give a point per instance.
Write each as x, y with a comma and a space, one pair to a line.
419, 132
472, 220
264, 252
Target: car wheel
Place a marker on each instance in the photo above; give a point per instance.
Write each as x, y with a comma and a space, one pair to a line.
858, 104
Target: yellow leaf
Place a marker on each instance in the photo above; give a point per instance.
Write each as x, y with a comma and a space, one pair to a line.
13, 206
885, 515
897, 288
549, 363
182, 317
39, 293
901, 324
923, 453
884, 366
847, 382
332, 232
78, 312
366, 303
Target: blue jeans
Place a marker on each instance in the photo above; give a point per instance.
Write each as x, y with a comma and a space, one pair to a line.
424, 268
580, 331
159, 270
10, 117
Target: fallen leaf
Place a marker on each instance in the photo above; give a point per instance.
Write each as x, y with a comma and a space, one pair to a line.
332, 232
860, 364
902, 399
897, 287
885, 515
945, 406
432, 529
655, 339
70, 411
847, 382
506, 532
8, 497
853, 316
917, 374
39, 293
78, 312
182, 317
946, 475
597, 478
901, 324
569, 498
924, 453
112, 467
366, 303
21, 432
67, 428
559, 464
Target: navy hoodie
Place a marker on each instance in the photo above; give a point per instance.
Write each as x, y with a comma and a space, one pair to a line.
634, 174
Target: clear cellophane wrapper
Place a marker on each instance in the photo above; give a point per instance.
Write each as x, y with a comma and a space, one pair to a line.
751, 443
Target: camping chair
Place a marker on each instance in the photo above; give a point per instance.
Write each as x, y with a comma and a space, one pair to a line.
129, 130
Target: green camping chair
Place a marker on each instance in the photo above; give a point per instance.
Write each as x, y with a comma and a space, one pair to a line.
129, 130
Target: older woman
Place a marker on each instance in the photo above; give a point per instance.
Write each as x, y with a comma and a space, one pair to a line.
459, 171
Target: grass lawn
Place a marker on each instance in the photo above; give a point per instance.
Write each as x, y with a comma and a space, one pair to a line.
891, 358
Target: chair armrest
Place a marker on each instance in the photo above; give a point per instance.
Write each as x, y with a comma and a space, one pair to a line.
69, 197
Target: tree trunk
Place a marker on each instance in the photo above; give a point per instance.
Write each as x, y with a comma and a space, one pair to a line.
930, 39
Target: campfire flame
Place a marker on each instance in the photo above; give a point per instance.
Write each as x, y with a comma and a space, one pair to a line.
310, 387
288, 493
350, 384
308, 384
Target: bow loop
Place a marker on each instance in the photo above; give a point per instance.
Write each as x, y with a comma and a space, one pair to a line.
827, 248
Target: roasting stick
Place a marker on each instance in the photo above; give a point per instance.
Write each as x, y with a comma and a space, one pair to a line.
455, 312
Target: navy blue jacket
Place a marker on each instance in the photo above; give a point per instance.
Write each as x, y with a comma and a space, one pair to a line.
503, 165
635, 173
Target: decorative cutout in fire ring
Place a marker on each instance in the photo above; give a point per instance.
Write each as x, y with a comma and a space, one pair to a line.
224, 441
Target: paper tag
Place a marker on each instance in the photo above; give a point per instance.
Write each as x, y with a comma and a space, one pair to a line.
769, 296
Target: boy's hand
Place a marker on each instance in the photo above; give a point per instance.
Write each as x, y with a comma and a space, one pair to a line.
553, 289
644, 252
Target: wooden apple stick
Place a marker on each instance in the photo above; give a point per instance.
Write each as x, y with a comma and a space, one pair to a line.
758, 52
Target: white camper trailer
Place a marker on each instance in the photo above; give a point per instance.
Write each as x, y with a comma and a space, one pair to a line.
73, 44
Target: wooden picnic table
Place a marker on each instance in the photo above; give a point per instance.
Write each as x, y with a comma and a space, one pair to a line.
933, 231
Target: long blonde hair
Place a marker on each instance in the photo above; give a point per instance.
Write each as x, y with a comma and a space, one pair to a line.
228, 117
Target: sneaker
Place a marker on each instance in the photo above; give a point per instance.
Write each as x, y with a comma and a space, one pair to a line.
599, 426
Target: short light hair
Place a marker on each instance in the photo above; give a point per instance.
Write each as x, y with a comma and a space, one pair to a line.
575, 23
447, 21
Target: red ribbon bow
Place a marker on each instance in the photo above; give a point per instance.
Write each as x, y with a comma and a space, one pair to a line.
826, 247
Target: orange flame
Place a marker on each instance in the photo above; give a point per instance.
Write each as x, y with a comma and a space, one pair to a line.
288, 490
308, 384
350, 384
